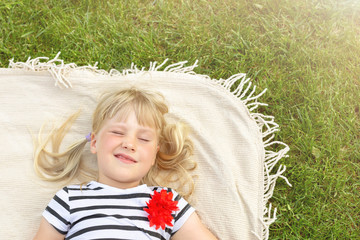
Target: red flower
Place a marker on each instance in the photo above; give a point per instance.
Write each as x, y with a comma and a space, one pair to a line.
160, 208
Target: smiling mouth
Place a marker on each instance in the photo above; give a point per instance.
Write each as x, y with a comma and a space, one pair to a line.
125, 158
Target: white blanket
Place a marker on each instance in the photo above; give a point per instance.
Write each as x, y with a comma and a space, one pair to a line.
236, 166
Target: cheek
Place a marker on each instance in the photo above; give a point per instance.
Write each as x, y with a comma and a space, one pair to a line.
151, 153
108, 141
155, 154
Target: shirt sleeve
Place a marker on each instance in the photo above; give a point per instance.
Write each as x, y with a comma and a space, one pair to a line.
184, 212
57, 213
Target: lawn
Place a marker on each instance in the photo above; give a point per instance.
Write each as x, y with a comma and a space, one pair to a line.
306, 52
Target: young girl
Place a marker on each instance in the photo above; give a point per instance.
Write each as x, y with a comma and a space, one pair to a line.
134, 146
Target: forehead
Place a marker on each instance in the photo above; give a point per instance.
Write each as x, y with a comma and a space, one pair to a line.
131, 119
144, 115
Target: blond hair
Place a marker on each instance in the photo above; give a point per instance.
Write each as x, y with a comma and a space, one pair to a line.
173, 164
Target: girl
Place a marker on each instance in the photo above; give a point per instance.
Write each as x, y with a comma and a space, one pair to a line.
134, 146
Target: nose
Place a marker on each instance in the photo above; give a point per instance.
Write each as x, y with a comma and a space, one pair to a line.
128, 145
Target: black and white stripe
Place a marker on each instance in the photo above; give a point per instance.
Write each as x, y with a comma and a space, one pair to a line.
98, 211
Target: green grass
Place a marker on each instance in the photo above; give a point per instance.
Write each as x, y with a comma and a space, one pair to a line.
307, 53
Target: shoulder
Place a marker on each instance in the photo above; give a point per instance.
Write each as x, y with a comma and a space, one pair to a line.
85, 187
160, 189
70, 191
168, 192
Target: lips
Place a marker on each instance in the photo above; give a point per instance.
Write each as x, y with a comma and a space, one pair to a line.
125, 158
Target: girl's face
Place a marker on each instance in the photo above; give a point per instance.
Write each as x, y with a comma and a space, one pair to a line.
125, 151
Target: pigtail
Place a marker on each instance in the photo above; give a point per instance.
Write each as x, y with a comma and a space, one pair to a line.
174, 163
55, 165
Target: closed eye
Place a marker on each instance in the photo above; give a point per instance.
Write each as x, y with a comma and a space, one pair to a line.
144, 139
117, 133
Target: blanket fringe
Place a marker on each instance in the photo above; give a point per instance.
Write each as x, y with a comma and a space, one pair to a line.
59, 70
268, 128
239, 85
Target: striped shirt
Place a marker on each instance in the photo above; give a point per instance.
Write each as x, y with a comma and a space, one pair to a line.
98, 211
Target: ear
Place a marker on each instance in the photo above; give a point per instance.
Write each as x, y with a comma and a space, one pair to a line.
93, 143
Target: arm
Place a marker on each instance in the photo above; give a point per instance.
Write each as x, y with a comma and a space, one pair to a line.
47, 232
193, 229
